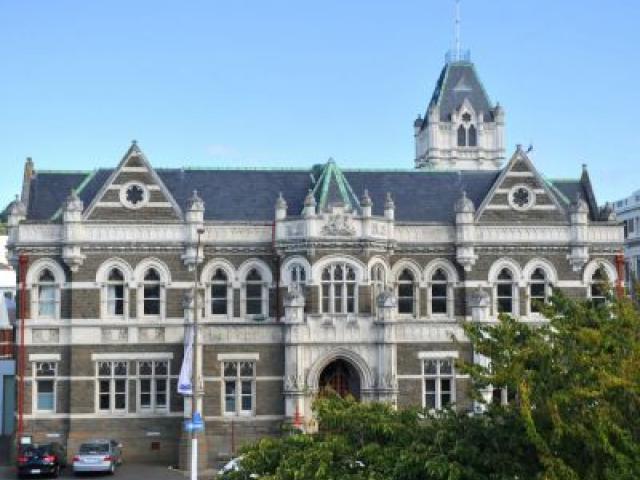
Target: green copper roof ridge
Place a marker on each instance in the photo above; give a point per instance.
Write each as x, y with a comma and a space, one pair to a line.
64, 172
345, 189
78, 190
250, 169
556, 190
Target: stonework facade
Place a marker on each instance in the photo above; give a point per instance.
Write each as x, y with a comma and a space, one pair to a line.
310, 279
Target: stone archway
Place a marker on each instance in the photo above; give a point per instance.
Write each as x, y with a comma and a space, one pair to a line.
341, 377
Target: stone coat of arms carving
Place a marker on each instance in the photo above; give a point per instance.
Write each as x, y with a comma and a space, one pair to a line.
339, 226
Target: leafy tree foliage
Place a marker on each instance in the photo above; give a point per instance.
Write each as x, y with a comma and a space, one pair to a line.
575, 412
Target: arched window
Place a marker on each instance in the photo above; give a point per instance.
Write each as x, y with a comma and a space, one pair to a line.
598, 286
539, 290
152, 292
339, 289
378, 282
219, 292
472, 136
255, 295
505, 291
439, 292
462, 136
115, 293
47, 294
298, 274
406, 292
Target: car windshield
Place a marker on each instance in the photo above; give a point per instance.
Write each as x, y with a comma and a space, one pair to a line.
36, 450
88, 448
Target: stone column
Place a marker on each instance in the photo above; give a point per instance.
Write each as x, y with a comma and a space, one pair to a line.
479, 301
297, 408
387, 381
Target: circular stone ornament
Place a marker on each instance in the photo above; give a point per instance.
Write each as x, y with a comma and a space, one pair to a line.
134, 195
521, 197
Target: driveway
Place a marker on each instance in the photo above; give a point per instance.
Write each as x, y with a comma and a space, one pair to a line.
125, 472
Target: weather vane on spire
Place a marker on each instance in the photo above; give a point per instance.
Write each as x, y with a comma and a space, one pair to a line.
456, 54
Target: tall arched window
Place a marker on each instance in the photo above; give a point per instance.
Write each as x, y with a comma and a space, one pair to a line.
505, 291
378, 281
47, 294
339, 289
598, 286
406, 292
472, 136
115, 293
219, 292
539, 290
439, 292
254, 293
298, 275
462, 136
152, 292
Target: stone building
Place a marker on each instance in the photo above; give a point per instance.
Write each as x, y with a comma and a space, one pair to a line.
310, 278
628, 212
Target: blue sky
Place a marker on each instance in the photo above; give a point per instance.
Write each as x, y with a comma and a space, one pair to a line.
290, 83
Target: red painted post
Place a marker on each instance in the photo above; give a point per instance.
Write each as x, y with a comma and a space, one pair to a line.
620, 272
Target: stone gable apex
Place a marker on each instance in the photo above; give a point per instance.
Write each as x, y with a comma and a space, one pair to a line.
134, 168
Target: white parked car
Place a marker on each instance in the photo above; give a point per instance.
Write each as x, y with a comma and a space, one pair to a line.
234, 466
98, 456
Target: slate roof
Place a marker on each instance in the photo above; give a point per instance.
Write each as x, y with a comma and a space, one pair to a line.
250, 195
459, 81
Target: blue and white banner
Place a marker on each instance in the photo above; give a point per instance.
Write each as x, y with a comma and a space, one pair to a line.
184, 381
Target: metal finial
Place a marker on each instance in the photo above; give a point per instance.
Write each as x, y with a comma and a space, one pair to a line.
457, 30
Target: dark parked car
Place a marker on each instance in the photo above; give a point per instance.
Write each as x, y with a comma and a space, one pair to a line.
41, 459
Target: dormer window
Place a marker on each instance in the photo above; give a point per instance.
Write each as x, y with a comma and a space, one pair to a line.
467, 133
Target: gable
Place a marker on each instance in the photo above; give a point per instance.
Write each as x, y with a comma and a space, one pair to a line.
133, 193
520, 195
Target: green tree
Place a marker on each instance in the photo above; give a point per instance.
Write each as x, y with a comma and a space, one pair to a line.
576, 380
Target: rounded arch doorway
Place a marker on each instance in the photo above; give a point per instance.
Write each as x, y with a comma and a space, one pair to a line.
340, 377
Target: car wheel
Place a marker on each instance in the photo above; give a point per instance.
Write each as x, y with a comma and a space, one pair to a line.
112, 469
56, 472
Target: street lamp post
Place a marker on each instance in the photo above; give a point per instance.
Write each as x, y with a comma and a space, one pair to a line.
195, 372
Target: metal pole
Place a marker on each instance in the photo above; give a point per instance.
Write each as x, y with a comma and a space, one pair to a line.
195, 392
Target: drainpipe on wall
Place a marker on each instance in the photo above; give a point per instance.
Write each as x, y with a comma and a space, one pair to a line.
23, 260
620, 272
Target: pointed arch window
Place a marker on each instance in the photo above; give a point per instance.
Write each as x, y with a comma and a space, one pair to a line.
539, 290
598, 286
339, 289
472, 136
219, 293
462, 136
406, 292
152, 293
255, 294
48, 294
439, 292
467, 132
115, 293
505, 292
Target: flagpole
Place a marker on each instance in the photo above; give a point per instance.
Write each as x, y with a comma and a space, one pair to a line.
195, 390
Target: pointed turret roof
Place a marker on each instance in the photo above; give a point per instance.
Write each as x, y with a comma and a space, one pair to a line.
458, 82
332, 188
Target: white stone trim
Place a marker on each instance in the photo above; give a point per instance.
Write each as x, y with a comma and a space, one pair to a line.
239, 356
319, 265
285, 269
132, 356
519, 174
546, 265
147, 204
593, 265
438, 354
44, 357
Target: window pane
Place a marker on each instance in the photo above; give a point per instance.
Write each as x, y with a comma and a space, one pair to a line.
230, 369
219, 307
45, 394
430, 385
104, 368
120, 368
504, 305
430, 367
246, 369
446, 367
120, 403
145, 400
219, 291
230, 388
152, 307
538, 290
145, 368
120, 386
445, 385
405, 305
405, 290
254, 307
505, 290
162, 368
254, 291
247, 401
438, 290
230, 404
104, 401
438, 305
145, 386
430, 400
445, 400
246, 388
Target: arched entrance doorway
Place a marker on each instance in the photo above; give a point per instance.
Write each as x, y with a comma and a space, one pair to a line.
341, 377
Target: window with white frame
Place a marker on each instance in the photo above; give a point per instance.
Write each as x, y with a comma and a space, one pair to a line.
45, 386
598, 286
439, 383
219, 293
152, 293
539, 290
378, 282
298, 275
153, 385
112, 389
406, 289
439, 286
505, 291
116, 293
339, 289
255, 294
48, 294
239, 380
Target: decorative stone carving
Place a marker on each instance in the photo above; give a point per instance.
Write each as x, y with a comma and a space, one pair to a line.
151, 334
114, 335
294, 383
45, 335
339, 226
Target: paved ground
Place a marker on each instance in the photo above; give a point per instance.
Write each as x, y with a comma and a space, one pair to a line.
125, 472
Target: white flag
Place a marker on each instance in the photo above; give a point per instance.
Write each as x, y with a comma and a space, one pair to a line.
184, 381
